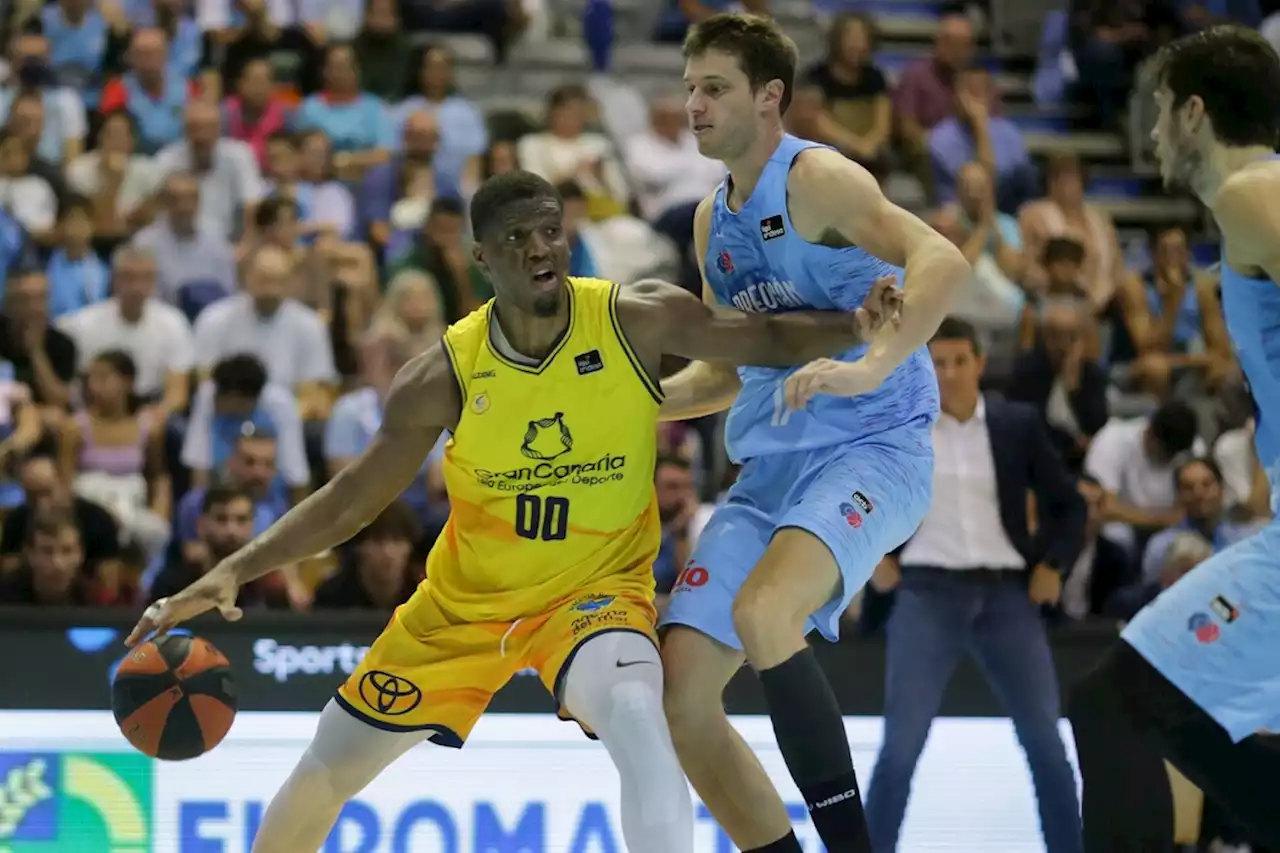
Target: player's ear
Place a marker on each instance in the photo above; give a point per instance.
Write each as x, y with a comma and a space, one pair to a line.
773, 91
477, 253
1194, 112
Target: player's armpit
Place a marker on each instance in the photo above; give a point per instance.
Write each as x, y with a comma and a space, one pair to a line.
424, 400
836, 202
1246, 211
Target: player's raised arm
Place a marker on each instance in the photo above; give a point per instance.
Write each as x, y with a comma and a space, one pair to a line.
423, 401
835, 202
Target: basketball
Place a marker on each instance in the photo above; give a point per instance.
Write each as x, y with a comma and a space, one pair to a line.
174, 697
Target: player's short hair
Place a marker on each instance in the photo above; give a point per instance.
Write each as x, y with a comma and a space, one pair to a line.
1174, 427
956, 329
502, 190
1236, 72
763, 50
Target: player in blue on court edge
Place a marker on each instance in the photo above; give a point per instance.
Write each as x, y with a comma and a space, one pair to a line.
1195, 678
837, 456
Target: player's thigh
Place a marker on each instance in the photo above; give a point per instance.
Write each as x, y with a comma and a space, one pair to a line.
851, 506
732, 542
696, 669
424, 674
1214, 634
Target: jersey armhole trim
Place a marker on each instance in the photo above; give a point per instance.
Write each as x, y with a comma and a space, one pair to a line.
451, 357
652, 385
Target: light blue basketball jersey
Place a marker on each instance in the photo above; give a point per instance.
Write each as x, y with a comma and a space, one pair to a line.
1216, 633
756, 262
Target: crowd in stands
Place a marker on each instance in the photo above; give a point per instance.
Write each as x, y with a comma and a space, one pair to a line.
224, 227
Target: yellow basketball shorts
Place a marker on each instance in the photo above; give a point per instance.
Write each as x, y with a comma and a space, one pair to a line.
430, 672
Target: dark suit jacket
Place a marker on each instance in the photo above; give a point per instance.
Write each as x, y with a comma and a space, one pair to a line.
1032, 382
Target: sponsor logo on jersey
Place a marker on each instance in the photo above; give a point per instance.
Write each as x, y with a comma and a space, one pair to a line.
772, 227
593, 603
606, 469
725, 261
588, 362
1205, 629
765, 297
863, 502
1226, 611
480, 403
484, 374
547, 438
851, 515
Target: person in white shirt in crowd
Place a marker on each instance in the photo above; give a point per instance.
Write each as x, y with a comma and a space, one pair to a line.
324, 203
665, 163
63, 128
195, 267
153, 333
121, 182
230, 182
265, 321
1135, 461
973, 579
29, 198
1102, 568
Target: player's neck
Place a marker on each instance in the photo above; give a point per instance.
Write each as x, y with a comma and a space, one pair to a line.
747, 169
528, 334
1220, 163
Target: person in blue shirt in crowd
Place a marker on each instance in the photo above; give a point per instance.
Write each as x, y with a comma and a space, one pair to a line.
355, 121
581, 262
77, 35
77, 276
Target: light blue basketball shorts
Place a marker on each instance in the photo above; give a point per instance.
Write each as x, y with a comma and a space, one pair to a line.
862, 499
1215, 634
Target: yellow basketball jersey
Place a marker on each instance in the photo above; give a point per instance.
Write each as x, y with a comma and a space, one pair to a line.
550, 471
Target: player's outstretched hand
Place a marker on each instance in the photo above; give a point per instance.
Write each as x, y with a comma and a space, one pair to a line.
827, 376
216, 590
882, 305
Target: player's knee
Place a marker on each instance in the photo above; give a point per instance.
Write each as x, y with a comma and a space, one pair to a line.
761, 612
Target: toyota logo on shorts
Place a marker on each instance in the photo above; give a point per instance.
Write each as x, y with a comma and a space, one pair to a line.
389, 694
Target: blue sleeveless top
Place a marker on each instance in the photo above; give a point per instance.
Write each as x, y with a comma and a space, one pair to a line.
159, 121
756, 262
1251, 308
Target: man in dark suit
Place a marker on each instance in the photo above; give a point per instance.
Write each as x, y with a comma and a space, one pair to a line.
973, 578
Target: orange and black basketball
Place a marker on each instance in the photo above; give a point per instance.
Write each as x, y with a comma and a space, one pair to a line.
174, 697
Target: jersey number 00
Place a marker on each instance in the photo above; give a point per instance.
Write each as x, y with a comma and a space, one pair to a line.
542, 518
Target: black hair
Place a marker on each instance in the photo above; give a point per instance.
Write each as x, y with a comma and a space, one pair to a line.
74, 201
763, 50
956, 329
1174, 427
566, 94
221, 494
500, 191
397, 522
242, 375
121, 362
1236, 72
1206, 461
674, 461
841, 22
1062, 249
271, 209
448, 205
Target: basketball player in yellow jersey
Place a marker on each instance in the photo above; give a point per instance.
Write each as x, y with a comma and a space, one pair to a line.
551, 395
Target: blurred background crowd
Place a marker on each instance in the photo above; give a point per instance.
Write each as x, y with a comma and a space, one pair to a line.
225, 224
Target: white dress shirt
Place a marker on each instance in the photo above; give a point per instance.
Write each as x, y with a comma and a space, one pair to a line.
962, 529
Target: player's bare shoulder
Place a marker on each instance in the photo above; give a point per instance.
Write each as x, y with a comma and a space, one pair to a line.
820, 184
649, 310
1246, 211
425, 393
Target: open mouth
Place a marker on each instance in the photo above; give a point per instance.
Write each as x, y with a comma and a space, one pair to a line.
699, 129
545, 277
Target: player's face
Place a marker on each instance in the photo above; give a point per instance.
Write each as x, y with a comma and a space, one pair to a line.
723, 111
526, 254
1176, 150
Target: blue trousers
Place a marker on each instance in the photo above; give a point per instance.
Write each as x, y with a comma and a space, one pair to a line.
938, 616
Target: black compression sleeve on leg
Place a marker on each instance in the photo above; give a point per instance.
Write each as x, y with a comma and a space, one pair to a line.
810, 731
786, 844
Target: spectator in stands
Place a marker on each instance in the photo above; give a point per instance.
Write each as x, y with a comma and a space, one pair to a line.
377, 570
196, 268
224, 526
499, 21
252, 30
972, 133
238, 400
1164, 330
1068, 388
678, 15
383, 50
857, 116
324, 204
678, 507
150, 92
20, 430
155, 335
973, 578
77, 276
396, 197
15, 249
1186, 550
230, 182
332, 21
925, 94
27, 122
566, 151
112, 453
1102, 567
52, 568
463, 134
43, 358
120, 182
1135, 461
62, 128
1234, 453
581, 260
188, 44
412, 309
501, 158
1200, 496
440, 254
77, 35
265, 321
275, 223
1108, 39
356, 122
256, 113
1064, 212
992, 244
26, 195
100, 535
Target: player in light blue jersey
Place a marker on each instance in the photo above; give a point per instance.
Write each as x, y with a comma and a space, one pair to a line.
833, 477
1196, 677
